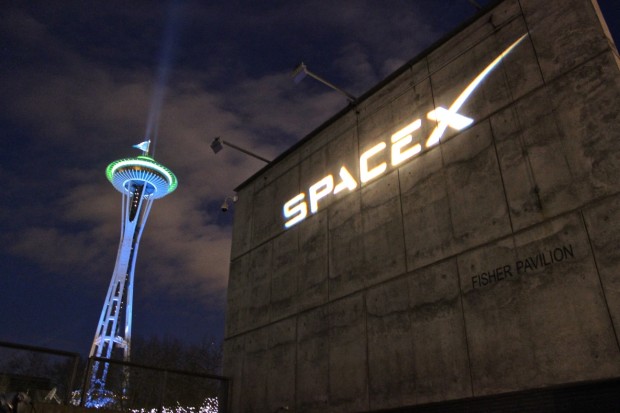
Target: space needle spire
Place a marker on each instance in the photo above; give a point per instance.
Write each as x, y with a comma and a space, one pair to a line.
140, 180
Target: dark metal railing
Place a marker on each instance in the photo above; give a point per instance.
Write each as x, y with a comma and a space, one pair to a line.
128, 387
74, 359
149, 387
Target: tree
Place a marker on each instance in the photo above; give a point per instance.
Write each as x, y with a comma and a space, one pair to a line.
154, 388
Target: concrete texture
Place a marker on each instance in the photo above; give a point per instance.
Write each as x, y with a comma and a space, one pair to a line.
602, 222
312, 281
485, 264
416, 339
542, 324
313, 360
348, 374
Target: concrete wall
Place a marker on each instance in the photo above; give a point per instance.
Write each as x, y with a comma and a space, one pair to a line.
486, 264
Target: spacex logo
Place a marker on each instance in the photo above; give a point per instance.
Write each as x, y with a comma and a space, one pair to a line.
373, 162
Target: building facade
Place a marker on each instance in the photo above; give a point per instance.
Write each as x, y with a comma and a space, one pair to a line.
451, 237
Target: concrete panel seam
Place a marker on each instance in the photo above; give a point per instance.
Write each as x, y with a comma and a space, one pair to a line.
598, 273
367, 352
471, 377
495, 30
532, 43
501, 177
402, 217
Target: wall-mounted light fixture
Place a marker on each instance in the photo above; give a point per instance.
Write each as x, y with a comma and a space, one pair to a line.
218, 143
302, 71
225, 204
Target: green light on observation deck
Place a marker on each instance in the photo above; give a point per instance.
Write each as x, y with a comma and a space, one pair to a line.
143, 168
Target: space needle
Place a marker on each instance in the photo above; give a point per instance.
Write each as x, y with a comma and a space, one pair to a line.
140, 180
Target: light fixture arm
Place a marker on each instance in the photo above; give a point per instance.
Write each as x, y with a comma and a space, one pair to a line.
303, 68
217, 143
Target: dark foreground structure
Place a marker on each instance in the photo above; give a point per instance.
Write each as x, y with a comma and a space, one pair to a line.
451, 241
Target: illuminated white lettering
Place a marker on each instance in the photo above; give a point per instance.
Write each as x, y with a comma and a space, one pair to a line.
320, 190
445, 118
402, 149
367, 174
296, 209
462, 98
454, 120
348, 182
403, 138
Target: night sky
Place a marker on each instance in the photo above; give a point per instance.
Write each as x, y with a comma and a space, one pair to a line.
83, 81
